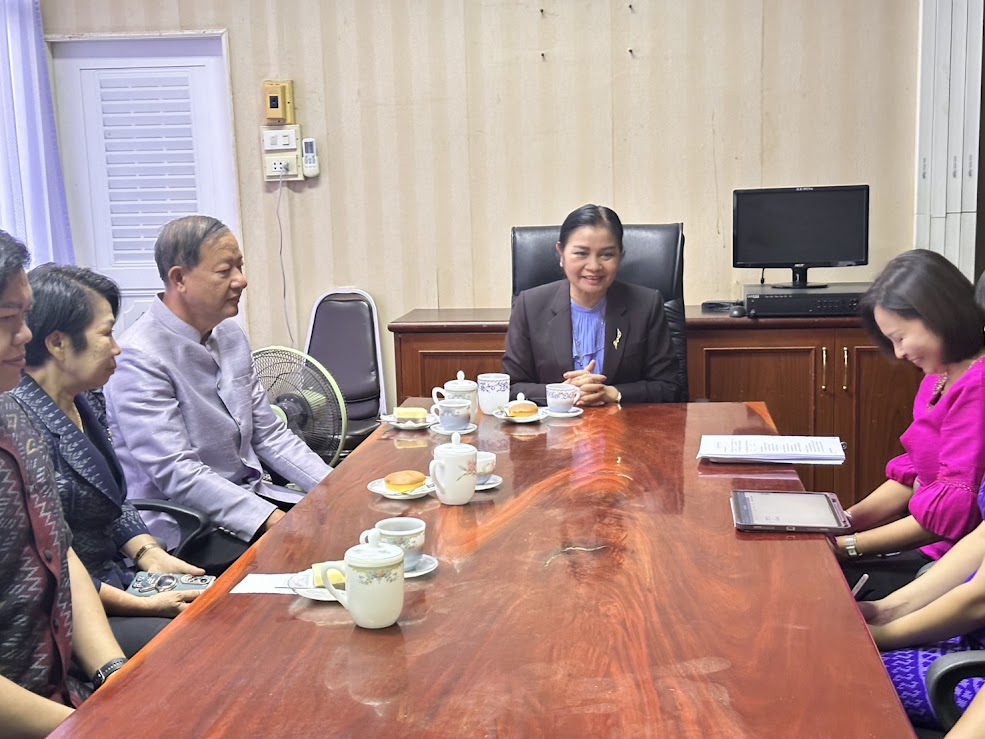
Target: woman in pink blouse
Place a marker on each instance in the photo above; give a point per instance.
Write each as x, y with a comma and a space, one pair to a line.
923, 310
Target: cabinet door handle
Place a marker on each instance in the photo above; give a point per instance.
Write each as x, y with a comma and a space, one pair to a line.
824, 368
844, 384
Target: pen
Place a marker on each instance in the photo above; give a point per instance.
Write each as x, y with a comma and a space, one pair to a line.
858, 586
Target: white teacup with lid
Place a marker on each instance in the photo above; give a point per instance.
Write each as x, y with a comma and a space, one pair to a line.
374, 582
453, 471
459, 388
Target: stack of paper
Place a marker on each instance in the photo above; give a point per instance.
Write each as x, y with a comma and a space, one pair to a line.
779, 449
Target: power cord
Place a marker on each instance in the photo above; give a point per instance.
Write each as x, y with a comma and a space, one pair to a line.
762, 277
280, 254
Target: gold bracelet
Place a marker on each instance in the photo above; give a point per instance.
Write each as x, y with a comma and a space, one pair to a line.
143, 550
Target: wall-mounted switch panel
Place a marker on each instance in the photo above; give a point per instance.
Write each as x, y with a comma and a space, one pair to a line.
281, 152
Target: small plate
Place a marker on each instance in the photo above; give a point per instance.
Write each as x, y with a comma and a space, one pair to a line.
573, 413
489, 484
428, 421
379, 487
302, 584
425, 564
437, 428
541, 415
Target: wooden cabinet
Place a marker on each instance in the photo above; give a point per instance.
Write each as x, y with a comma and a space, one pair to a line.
430, 346
817, 376
823, 377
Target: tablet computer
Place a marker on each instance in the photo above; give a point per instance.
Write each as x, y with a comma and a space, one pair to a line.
771, 510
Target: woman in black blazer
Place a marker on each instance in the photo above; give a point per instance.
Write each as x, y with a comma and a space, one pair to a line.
608, 338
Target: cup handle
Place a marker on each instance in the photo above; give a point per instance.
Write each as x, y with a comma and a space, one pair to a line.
340, 595
432, 471
435, 391
364, 536
434, 411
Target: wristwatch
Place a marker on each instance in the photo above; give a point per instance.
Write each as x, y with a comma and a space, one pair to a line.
851, 546
106, 670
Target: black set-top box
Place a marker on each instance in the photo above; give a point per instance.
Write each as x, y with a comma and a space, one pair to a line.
837, 299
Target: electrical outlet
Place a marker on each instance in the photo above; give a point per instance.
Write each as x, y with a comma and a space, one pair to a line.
281, 167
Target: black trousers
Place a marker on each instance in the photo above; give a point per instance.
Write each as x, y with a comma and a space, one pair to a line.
887, 573
133, 632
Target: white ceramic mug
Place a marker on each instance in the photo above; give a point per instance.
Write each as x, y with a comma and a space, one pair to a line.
459, 388
374, 582
404, 532
485, 463
453, 471
561, 397
494, 391
453, 414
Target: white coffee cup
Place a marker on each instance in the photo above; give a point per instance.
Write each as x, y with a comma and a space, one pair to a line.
485, 463
404, 532
459, 388
453, 413
561, 397
494, 391
374, 582
453, 471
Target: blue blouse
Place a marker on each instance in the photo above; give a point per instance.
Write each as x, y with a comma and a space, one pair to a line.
588, 335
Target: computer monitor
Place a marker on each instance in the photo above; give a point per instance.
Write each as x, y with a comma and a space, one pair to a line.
801, 227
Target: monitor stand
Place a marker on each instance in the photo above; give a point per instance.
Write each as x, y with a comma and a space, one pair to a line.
799, 281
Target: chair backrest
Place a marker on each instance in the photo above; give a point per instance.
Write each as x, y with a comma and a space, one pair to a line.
344, 335
653, 257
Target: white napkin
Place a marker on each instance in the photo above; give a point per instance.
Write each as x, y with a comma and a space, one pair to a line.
264, 584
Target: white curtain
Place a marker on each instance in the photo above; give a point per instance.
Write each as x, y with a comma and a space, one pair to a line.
32, 192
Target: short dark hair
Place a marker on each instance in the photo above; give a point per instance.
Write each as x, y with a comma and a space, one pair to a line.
924, 285
180, 242
591, 215
14, 258
63, 301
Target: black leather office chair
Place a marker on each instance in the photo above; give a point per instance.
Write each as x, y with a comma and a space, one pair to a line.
344, 335
653, 257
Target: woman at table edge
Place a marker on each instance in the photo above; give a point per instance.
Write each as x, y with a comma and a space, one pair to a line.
608, 338
941, 612
922, 309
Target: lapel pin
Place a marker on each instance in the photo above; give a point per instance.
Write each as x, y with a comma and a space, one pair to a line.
615, 343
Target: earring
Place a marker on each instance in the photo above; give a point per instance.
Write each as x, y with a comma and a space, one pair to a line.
560, 263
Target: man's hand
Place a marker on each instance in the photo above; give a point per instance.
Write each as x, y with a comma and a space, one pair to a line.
272, 519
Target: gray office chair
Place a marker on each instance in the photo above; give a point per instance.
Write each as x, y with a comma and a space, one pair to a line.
943, 677
192, 524
344, 335
653, 257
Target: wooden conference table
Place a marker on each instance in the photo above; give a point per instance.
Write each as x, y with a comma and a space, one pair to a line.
600, 590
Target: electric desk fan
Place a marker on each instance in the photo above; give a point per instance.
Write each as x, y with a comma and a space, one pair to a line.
305, 396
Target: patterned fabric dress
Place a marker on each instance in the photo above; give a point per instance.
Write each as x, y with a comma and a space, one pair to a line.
908, 669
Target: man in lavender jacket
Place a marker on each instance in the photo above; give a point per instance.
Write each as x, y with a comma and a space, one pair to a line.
190, 421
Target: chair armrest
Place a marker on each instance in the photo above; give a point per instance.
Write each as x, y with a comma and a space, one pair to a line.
191, 523
943, 677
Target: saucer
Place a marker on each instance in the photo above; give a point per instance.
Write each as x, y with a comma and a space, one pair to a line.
489, 484
541, 415
379, 487
302, 584
425, 564
438, 429
573, 413
429, 420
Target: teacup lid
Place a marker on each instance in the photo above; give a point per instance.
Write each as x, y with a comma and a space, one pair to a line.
455, 446
374, 553
461, 384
